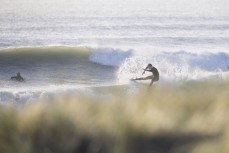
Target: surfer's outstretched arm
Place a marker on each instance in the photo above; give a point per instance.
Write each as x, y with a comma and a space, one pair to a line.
145, 70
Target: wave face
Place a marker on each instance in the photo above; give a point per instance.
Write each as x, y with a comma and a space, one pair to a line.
57, 65
48, 70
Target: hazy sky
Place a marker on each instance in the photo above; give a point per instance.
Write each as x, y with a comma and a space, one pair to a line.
160, 3
180, 5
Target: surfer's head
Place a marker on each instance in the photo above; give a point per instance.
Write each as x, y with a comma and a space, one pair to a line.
150, 66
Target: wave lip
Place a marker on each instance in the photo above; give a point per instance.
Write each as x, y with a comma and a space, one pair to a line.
110, 56
102, 55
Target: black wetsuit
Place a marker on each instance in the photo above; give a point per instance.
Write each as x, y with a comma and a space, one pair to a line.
155, 73
17, 78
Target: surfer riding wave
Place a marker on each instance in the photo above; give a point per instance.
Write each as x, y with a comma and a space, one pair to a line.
153, 78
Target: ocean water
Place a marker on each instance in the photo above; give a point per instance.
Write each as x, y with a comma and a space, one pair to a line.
79, 49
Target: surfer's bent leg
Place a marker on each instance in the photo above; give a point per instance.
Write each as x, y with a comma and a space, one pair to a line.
151, 83
154, 79
145, 78
149, 77
138, 79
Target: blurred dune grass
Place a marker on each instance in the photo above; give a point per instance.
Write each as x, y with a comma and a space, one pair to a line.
191, 118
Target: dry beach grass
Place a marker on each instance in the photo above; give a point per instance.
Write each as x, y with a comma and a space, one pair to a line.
192, 119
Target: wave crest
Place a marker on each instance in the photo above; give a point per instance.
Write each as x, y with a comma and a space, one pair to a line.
110, 56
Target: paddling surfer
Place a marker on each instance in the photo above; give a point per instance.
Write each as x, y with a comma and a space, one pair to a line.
153, 78
18, 77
